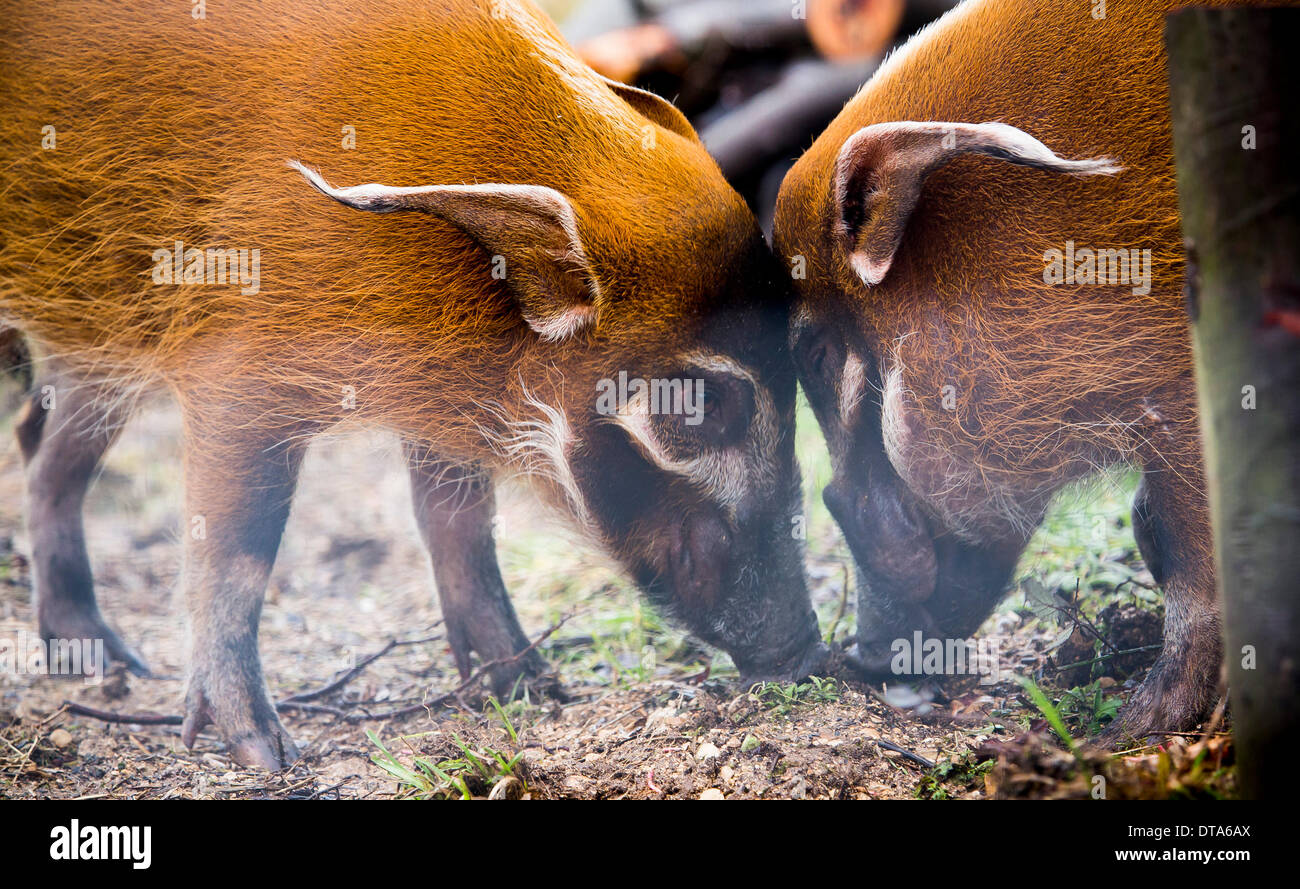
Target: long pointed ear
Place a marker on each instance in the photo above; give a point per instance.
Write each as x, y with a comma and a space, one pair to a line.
881, 169
653, 108
533, 228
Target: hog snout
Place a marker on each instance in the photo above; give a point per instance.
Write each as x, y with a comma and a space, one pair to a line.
804, 657
742, 589
889, 538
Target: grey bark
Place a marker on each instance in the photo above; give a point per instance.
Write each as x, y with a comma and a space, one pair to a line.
1230, 70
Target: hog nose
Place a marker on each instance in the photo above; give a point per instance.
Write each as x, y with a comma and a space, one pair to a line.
814, 661
794, 664
888, 537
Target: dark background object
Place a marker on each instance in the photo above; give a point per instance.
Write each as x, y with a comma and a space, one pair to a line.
758, 82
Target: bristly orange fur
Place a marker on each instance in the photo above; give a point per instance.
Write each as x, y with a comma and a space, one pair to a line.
173, 129
1050, 380
581, 233
997, 387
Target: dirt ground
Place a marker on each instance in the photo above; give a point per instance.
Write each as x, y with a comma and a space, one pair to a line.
650, 714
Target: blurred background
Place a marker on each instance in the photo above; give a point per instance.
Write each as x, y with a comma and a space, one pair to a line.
759, 79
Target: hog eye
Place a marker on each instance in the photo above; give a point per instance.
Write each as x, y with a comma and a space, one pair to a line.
818, 359
712, 402
725, 408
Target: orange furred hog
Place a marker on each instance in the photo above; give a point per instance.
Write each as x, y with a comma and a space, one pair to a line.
429, 217
987, 251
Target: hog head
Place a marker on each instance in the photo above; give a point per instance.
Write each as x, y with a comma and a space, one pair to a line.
935, 541
651, 392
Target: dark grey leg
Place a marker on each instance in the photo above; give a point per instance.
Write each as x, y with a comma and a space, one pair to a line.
454, 505
66, 427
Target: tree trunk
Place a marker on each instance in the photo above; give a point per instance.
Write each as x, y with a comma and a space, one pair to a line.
1234, 82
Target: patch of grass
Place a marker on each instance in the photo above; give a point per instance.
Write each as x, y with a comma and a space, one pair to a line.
1088, 708
783, 698
517, 706
815, 467
964, 771
1085, 545
1049, 711
1204, 779
471, 773
627, 646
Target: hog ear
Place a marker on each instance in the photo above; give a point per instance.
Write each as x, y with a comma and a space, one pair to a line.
654, 108
881, 169
533, 228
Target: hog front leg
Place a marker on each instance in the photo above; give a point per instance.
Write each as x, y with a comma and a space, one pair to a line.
1172, 526
454, 506
239, 482
64, 430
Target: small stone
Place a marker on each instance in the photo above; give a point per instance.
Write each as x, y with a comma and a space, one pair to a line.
707, 752
576, 783
712, 793
663, 721
750, 744
726, 773
904, 697
508, 787
60, 737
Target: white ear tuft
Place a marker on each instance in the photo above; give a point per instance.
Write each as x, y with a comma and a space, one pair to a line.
563, 325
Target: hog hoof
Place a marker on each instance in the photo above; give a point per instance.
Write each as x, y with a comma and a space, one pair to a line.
274, 753
1170, 699
253, 734
82, 625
